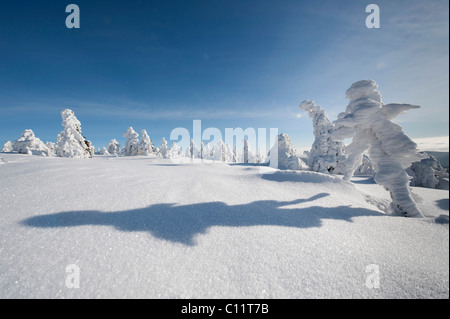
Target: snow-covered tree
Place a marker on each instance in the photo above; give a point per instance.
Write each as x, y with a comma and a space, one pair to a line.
326, 155
287, 156
192, 151
7, 147
28, 143
248, 156
51, 148
145, 145
365, 168
132, 144
368, 121
114, 147
70, 142
164, 150
207, 152
428, 173
175, 151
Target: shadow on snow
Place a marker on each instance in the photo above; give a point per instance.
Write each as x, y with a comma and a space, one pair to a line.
181, 223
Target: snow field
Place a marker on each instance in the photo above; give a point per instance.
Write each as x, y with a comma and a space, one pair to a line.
144, 227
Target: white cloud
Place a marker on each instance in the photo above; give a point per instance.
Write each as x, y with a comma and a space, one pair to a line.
437, 144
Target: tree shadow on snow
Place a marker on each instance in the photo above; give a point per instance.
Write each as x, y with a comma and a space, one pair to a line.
181, 223
443, 203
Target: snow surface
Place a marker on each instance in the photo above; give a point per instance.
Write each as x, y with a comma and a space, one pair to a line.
146, 227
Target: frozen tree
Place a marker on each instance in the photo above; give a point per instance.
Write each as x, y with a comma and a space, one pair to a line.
287, 156
132, 144
207, 151
28, 143
145, 145
368, 121
202, 150
164, 150
114, 147
248, 156
366, 167
70, 142
104, 151
192, 151
175, 151
51, 148
7, 147
428, 173
326, 155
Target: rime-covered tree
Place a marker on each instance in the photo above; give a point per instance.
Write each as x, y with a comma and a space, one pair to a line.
428, 173
7, 147
145, 144
70, 142
365, 168
51, 148
164, 150
326, 155
368, 121
114, 147
287, 156
175, 151
132, 144
28, 143
192, 151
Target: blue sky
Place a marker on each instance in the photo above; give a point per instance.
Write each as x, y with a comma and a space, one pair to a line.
158, 65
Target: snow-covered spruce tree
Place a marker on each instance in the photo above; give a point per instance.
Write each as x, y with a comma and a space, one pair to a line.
145, 144
51, 148
366, 167
428, 173
114, 147
192, 151
175, 151
326, 155
287, 156
132, 144
368, 121
7, 147
248, 156
29, 144
70, 142
164, 151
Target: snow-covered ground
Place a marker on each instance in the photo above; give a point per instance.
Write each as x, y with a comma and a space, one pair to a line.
142, 227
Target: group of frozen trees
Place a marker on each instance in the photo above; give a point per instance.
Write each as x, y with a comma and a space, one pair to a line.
69, 143
379, 147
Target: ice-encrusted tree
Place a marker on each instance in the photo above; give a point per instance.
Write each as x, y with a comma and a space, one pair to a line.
164, 150
326, 155
365, 168
113, 147
70, 142
28, 143
287, 156
428, 173
51, 148
192, 151
132, 144
175, 151
145, 144
7, 147
368, 121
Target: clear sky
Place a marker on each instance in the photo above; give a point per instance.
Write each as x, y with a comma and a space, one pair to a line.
158, 65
